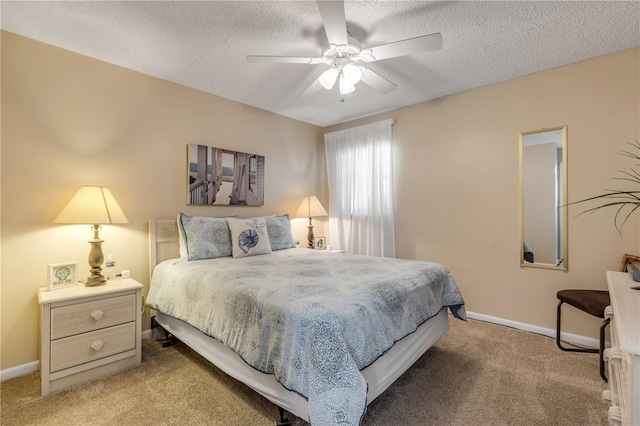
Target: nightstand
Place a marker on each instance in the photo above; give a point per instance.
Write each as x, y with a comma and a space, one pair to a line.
88, 332
623, 356
324, 250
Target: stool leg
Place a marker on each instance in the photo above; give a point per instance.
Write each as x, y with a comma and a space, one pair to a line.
602, 327
558, 321
559, 315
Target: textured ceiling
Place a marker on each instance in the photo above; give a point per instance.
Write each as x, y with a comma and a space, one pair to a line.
203, 44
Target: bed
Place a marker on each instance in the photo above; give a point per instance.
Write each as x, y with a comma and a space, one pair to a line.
320, 334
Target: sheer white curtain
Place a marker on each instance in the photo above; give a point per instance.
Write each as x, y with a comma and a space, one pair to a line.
359, 169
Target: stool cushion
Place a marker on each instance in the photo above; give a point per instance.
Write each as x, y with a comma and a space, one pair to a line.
590, 301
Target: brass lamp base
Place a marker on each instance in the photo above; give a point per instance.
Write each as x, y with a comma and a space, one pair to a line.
95, 280
310, 236
96, 257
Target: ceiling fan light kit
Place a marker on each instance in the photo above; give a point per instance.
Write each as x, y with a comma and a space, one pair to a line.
344, 52
351, 73
328, 78
348, 75
346, 87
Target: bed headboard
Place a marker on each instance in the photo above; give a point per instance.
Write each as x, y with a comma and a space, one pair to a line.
163, 241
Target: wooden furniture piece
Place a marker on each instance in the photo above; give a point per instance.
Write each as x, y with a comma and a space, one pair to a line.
87, 332
626, 259
623, 356
329, 250
592, 302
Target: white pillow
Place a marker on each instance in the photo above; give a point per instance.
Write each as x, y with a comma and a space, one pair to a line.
249, 237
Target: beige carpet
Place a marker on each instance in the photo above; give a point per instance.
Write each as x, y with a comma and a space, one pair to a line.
477, 374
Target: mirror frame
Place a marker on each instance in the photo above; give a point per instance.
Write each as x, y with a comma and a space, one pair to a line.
564, 215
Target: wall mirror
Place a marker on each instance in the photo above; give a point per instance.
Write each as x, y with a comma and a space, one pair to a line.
543, 197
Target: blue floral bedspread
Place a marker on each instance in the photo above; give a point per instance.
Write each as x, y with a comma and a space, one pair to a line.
295, 315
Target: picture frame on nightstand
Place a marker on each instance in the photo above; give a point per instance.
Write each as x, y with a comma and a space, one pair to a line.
62, 275
320, 243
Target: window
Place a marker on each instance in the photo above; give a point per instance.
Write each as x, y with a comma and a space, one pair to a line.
360, 174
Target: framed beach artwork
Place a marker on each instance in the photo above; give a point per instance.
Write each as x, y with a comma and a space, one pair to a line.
626, 259
320, 243
221, 177
62, 275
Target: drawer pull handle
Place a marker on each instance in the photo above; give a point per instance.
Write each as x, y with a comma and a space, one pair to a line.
608, 312
97, 345
97, 314
615, 416
613, 355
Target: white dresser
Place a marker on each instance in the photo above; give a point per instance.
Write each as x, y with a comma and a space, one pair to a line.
623, 356
87, 332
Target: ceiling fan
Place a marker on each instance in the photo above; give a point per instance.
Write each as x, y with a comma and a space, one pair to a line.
345, 52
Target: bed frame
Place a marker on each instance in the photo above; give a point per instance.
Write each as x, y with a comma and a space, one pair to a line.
164, 244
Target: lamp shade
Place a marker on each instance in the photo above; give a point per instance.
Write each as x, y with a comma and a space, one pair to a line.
311, 207
346, 86
351, 73
92, 205
328, 78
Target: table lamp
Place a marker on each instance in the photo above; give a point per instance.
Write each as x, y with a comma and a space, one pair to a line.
93, 205
311, 207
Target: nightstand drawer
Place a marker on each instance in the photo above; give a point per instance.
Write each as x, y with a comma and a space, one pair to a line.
87, 347
90, 316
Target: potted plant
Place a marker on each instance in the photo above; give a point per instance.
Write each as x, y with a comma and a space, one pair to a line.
620, 198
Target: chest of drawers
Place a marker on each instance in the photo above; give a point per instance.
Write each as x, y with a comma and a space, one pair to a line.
623, 356
87, 332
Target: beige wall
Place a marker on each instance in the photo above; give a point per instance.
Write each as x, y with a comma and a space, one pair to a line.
456, 180
68, 120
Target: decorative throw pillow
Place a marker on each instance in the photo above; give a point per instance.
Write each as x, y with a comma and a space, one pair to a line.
249, 237
205, 237
279, 230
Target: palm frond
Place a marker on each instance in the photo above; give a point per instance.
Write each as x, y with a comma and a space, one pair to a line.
619, 198
633, 176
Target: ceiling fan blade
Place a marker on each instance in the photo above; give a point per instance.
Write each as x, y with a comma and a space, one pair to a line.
283, 59
407, 47
378, 82
335, 24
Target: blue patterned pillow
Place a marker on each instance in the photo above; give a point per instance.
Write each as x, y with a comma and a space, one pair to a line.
249, 236
279, 229
206, 237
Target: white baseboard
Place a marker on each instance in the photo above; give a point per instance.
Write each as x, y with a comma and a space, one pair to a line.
19, 370
550, 332
32, 366
146, 334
